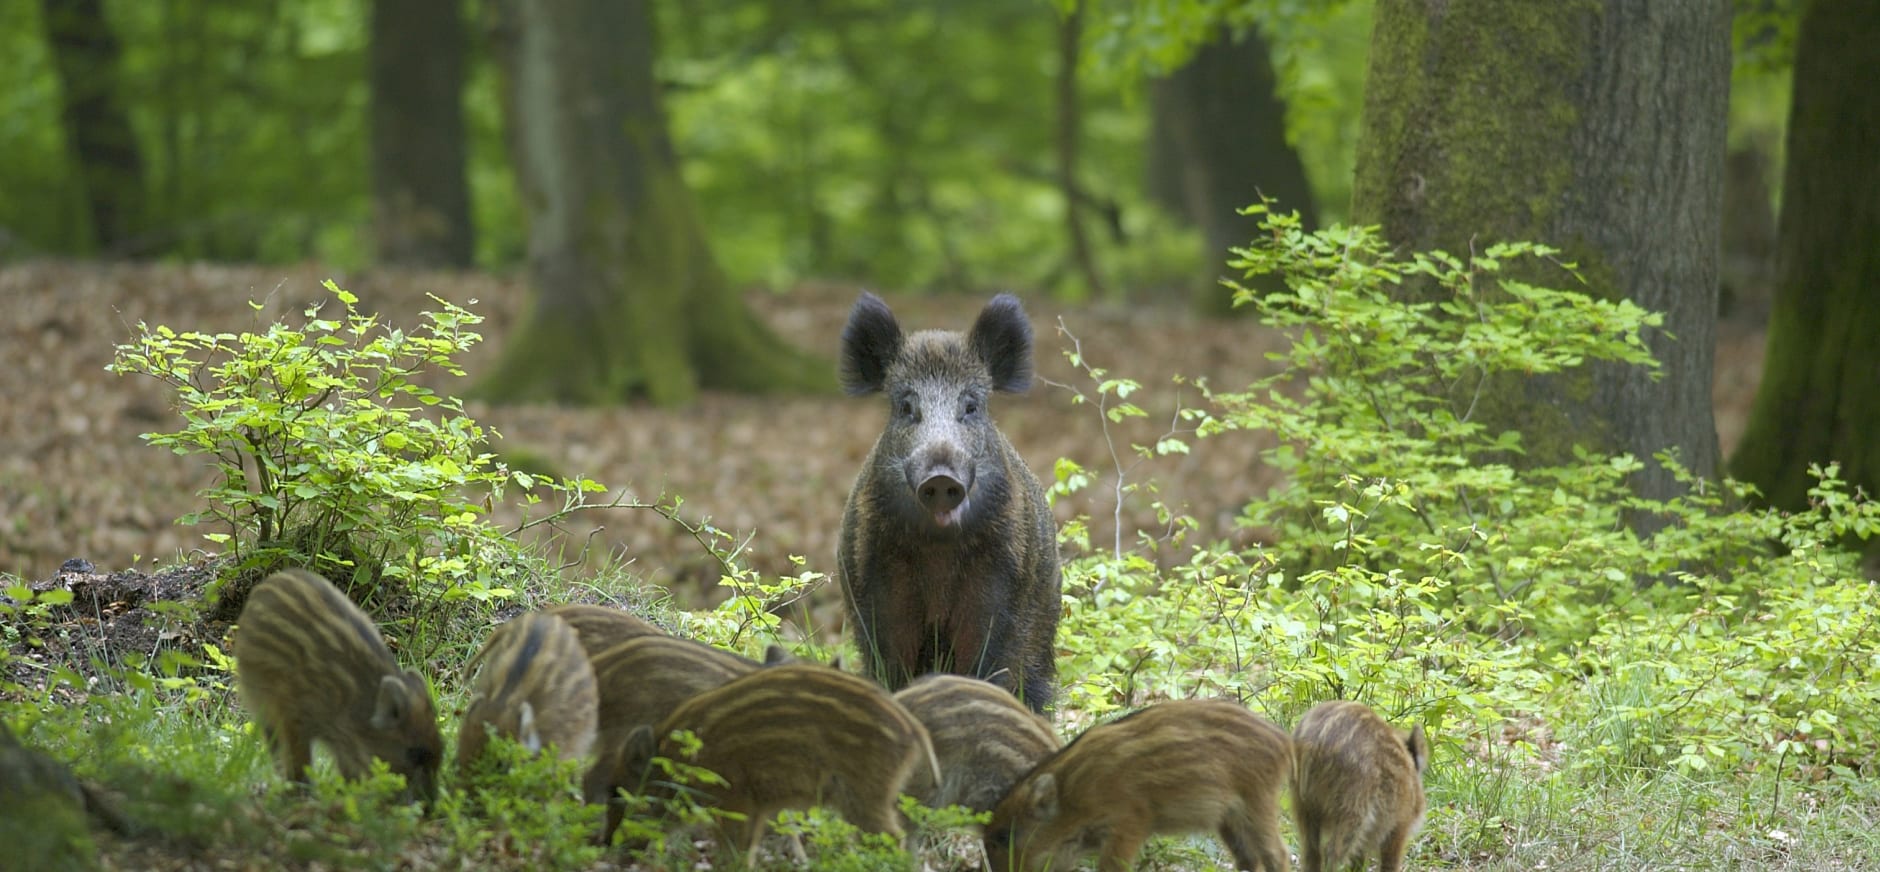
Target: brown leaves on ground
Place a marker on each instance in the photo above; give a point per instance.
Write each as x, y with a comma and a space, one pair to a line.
76, 481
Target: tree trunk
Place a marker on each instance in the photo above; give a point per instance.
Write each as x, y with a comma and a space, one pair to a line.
420, 195
1069, 129
1749, 237
1820, 394
1220, 143
1596, 126
86, 55
629, 301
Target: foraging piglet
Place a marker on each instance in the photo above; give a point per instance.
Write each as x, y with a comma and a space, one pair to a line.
535, 687
1174, 767
791, 736
1357, 786
312, 667
985, 740
642, 681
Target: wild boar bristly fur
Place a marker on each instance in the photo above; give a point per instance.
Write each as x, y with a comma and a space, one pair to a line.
794, 736
311, 667
948, 551
1178, 766
603, 627
535, 687
641, 682
984, 739
1357, 787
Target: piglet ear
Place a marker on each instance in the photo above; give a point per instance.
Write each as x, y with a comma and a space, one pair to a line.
392, 704
870, 342
1001, 338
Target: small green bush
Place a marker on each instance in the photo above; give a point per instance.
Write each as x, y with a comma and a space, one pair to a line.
332, 454
1411, 564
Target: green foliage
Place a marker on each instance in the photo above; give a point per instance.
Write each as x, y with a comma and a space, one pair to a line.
648, 830
1157, 36
1412, 564
1113, 406
248, 119
43, 208
1763, 33
28, 616
331, 451
1374, 414
887, 141
521, 810
884, 140
835, 845
1318, 48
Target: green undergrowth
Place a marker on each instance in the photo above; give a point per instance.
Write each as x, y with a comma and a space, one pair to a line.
1704, 698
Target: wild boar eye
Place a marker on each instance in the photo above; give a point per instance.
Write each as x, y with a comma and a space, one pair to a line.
905, 407
971, 407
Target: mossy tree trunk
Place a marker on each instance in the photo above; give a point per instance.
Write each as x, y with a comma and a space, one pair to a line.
1219, 143
87, 56
420, 193
1596, 126
1820, 394
629, 300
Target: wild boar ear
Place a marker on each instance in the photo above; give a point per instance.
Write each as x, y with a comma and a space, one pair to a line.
1419, 748
393, 703
1002, 339
870, 342
526, 733
775, 654
1044, 797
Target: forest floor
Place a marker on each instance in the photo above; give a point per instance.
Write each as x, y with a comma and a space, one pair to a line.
76, 481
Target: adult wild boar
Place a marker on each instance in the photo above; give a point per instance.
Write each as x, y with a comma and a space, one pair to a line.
948, 552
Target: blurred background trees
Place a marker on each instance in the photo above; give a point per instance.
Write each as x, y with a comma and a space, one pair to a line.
904, 144
629, 297
417, 55
106, 157
1084, 149
1820, 394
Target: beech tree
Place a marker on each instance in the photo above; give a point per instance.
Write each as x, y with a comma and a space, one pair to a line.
1597, 127
86, 55
1819, 400
416, 63
629, 301
1219, 144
